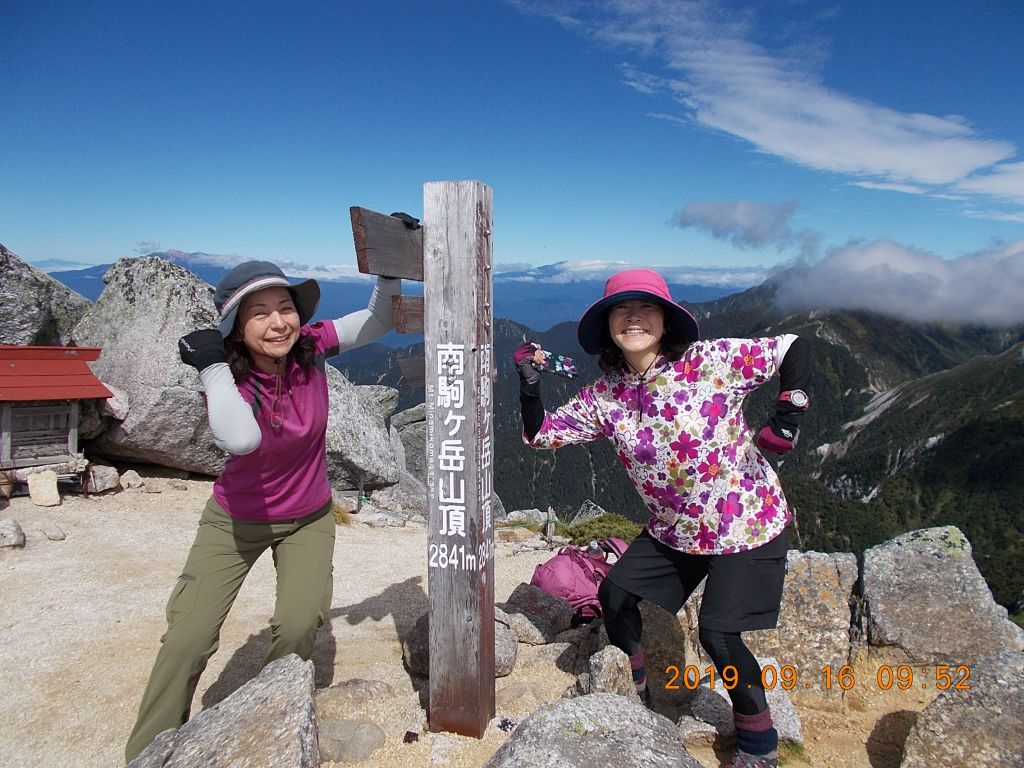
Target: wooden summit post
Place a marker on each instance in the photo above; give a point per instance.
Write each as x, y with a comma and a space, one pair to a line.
458, 320
451, 254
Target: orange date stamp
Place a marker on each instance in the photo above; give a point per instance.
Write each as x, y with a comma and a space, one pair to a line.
786, 676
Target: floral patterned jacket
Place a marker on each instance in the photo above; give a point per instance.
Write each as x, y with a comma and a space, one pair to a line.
680, 433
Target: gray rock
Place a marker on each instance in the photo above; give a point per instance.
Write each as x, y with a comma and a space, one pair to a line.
359, 451
52, 531
269, 722
148, 303
536, 616
506, 646
349, 741
525, 516
418, 413
444, 749
11, 534
35, 308
982, 726
102, 477
601, 729
608, 672
923, 594
411, 425
349, 694
131, 479
814, 621
813, 629
588, 511
380, 398
409, 496
708, 711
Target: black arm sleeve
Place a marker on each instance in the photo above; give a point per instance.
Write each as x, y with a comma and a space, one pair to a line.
794, 373
532, 408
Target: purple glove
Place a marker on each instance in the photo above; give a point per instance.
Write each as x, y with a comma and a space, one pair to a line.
524, 359
778, 436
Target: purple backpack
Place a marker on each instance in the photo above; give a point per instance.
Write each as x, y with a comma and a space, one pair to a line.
574, 575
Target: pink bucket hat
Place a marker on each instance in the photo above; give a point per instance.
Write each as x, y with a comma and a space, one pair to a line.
629, 284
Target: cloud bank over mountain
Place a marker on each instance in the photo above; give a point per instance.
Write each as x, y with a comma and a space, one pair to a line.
983, 288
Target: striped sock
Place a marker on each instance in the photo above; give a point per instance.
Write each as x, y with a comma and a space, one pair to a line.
756, 734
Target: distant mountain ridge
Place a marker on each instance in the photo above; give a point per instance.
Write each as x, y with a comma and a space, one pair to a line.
538, 297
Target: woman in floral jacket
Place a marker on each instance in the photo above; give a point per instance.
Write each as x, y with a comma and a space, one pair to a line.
672, 406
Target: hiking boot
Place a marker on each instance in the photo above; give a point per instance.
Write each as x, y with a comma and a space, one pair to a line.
746, 760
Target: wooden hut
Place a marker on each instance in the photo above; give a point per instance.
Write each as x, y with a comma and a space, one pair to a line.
40, 388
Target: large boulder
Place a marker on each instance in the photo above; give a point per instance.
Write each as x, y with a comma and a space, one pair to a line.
270, 722
814, 621
148, 303
924, 595
599, 729
536, 616
35, 308
979, 726
813, 628
359, 450
412, 430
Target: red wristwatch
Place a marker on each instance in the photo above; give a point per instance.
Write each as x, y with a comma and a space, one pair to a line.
797, 397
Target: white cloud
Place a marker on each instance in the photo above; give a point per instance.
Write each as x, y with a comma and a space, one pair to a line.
1005, 181
146, 247
983, 288
747, 224
908, 188
591, 270
777, 101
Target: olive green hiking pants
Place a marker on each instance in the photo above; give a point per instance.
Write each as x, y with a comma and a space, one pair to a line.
224, 551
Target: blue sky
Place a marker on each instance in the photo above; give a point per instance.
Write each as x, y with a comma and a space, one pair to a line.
715, 139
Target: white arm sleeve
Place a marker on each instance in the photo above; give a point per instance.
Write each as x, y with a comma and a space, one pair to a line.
785, 341
231, 419
365, 325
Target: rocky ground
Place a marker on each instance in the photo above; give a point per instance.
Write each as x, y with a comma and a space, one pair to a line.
80, 622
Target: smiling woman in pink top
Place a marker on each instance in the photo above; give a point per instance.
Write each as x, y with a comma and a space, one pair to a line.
263, 373
672, 406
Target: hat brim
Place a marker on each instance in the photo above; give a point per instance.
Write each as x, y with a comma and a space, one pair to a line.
592, 331
306, 294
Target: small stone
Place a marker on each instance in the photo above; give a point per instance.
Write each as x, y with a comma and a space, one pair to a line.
132, 479
52, 531
349, 741
42, 488
11, 534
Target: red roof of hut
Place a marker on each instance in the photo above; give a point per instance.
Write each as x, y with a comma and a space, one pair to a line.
48, 373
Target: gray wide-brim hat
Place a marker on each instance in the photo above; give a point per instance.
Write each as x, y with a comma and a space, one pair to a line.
254, 276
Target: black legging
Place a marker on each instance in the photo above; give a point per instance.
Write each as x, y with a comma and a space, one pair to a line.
622, 620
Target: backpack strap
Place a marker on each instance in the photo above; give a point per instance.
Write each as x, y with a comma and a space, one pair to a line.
613, 546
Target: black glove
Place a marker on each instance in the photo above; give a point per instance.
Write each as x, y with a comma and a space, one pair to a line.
524, 360
201, 349
409, 221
